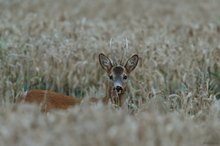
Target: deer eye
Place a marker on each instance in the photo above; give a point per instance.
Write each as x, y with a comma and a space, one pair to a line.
111, 77
125, 77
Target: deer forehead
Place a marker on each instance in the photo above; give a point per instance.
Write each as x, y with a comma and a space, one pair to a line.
118, 70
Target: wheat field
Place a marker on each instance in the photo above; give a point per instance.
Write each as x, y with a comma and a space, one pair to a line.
54, 45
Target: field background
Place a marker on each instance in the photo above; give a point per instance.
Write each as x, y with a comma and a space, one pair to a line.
55, 44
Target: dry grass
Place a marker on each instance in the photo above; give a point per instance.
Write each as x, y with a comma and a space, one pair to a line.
54, 45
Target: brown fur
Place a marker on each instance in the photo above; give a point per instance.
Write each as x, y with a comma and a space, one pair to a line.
51, 100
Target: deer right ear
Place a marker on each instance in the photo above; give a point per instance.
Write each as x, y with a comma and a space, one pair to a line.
105, 62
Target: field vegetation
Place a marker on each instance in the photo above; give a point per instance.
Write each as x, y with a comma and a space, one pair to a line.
54, 45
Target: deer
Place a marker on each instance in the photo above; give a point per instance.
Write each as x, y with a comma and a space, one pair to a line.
49, 100
116, 87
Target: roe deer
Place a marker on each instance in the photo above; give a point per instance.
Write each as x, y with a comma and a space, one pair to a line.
49, 100
118, 75
117, 85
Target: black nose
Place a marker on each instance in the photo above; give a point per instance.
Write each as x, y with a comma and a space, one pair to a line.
118, 88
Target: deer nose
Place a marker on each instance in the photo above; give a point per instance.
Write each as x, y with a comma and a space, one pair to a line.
118, 88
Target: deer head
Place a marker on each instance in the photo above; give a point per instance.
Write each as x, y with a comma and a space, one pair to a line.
118, 75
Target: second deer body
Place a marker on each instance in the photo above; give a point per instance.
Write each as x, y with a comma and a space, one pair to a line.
116, 88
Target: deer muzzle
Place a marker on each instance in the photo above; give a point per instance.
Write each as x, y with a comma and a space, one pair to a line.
118, 87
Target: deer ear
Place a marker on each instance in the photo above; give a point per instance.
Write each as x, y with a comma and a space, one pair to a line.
105, 62
131, 63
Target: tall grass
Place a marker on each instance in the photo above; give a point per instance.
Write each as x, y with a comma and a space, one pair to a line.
54, 45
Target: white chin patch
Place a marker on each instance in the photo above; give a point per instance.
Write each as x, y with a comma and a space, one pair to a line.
119, 92
116, 94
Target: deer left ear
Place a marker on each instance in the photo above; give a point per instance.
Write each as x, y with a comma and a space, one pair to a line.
131, 63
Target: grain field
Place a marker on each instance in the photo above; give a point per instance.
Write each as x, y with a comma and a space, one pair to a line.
54, 45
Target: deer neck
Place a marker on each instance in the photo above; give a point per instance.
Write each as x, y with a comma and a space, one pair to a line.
116, 99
